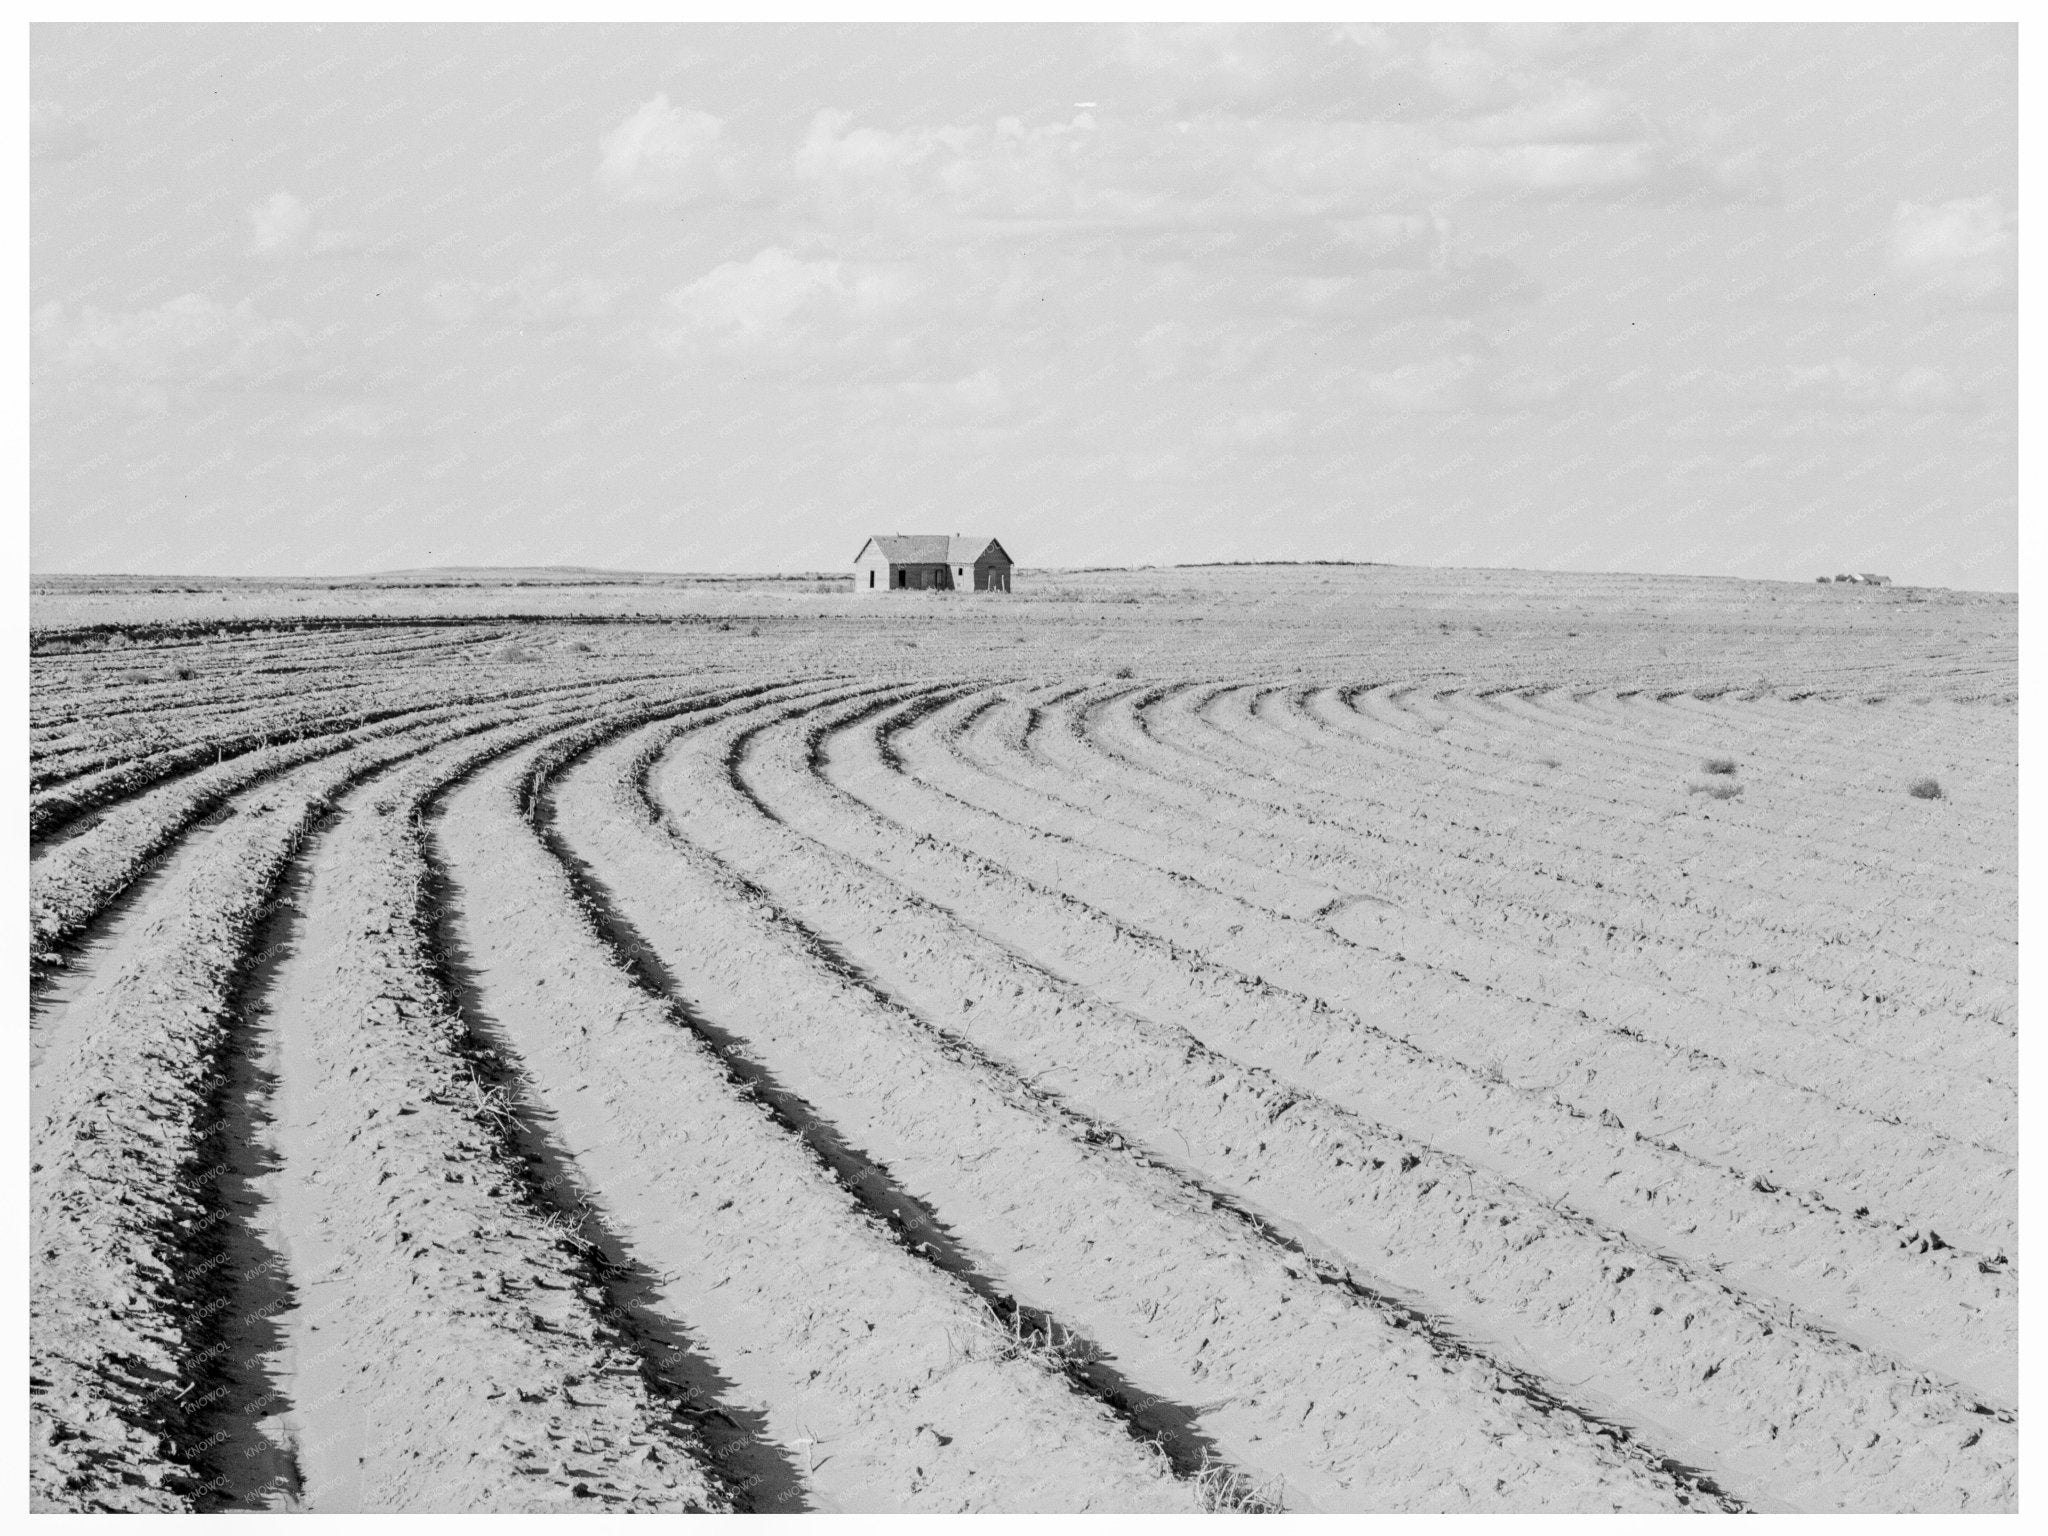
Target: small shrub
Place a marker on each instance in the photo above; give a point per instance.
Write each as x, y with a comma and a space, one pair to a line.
1125, 672
517, 652
1717, 791
1718, 765
1924, 789
1221, 1489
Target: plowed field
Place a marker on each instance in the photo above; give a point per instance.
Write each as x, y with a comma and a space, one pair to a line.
1316, 1040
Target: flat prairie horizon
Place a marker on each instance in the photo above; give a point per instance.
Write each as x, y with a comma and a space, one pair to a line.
74, 580
1471, 627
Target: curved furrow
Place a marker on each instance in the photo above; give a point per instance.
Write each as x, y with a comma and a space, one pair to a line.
1068, 872
1618, 803
1386, 1205
1748, 959
1629, 886
1785, 952
1939, 1310
1321, 1386
879, 1062
1971, 1096
1638, 801
73, 880
1324, 713
1976, 740
134, 1284
77, 879
887, 1384
200, 692
1635, 722
1735, 1117
51, 814
450, 1343
1383, 920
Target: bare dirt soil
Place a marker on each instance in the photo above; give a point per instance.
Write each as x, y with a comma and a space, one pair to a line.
1314, 1038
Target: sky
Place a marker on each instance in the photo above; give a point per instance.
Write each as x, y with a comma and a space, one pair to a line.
1716, 300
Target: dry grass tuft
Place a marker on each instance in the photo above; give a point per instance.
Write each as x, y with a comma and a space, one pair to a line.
491, 1105
567, 1228
1718, 765
1050, 1347
1221, 1489
1717, 791
1925, 789
517, 652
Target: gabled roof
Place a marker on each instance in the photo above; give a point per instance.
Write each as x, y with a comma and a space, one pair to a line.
932, 548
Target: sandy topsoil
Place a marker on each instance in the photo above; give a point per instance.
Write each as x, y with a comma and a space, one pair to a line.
1321, 1038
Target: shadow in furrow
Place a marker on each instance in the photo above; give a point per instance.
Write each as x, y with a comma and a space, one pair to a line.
1146, 1416
1397, 1311
60, 973
762, 1477
248, 1454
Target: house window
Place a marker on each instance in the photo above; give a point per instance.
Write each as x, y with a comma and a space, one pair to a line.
871, 578
959, 570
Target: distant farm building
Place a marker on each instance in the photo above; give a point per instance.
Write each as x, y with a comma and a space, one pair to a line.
911, 562
1864, 580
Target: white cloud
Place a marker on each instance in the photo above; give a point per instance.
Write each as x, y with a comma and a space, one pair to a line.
1264, 426
55, 136
536, 297
1528, 387
1170, 467
1220, 172
978, 396
1202, 64
363, 419
777, 299
1445, 384
1965, 251
283, 227
1841, 384
1439, 110
1930, 389
671, 155
149, 358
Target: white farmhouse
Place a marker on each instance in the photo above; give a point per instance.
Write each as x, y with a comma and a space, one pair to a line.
900, 562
